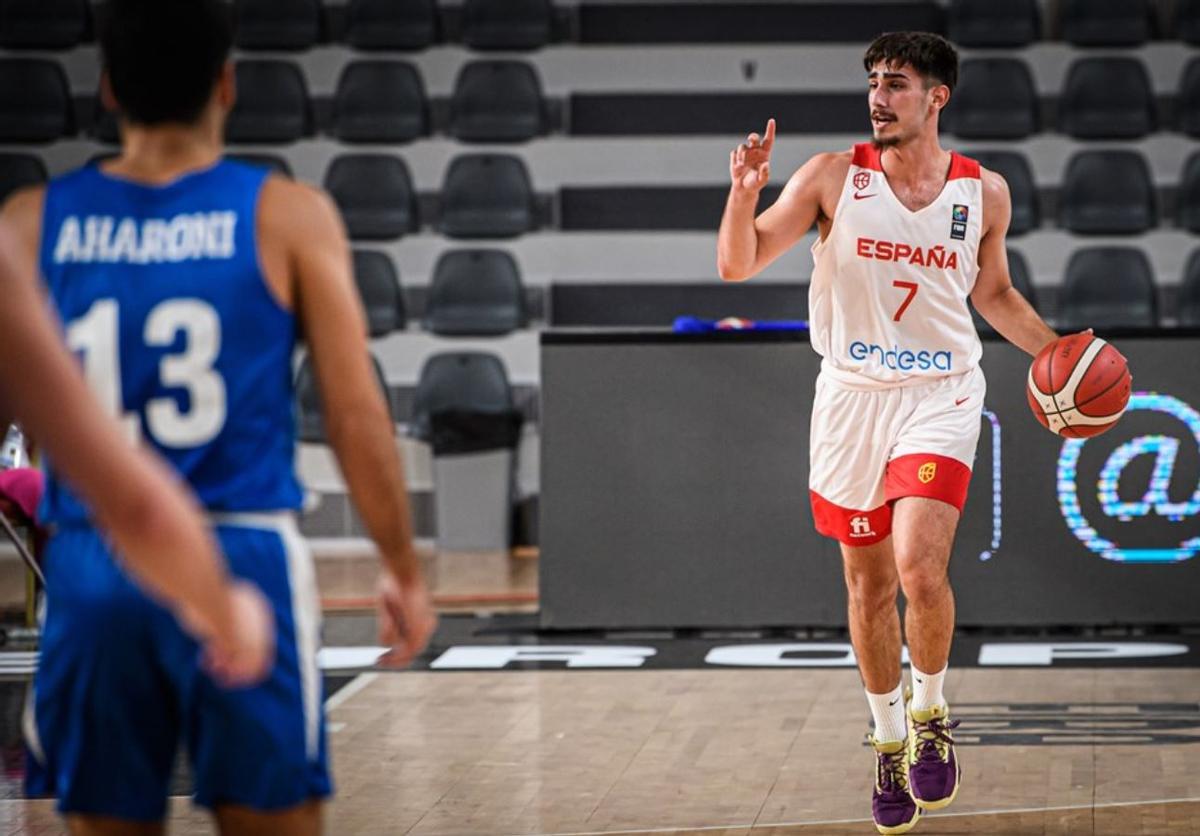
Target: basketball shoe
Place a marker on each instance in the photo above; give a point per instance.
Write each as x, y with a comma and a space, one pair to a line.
892, 805
933, 770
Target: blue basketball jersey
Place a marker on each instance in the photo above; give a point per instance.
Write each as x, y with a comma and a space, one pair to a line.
162, 296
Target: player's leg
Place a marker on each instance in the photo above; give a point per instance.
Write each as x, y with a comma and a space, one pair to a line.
103, 721
103, 826
872, 584
922, 536
259, 754
301, 820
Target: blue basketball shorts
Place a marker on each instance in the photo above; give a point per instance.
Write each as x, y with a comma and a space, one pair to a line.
119, 686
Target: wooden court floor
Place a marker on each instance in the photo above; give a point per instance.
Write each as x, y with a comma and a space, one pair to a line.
1080, 751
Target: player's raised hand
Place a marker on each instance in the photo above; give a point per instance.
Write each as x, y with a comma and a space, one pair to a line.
406, 619
750, 162
243, 650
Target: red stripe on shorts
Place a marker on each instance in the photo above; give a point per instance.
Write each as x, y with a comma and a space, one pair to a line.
854, 528
928, 475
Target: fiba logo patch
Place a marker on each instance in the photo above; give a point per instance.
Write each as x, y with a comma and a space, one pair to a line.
862, 179
1162, 525
860, 526
927, 472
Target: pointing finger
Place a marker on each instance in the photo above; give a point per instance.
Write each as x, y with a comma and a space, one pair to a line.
769, 139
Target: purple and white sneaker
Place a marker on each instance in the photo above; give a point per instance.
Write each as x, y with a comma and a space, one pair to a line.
892, 805
934, 773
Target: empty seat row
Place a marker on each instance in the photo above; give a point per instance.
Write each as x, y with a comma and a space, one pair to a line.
492, 196
1088, 23
301, 24
503, 101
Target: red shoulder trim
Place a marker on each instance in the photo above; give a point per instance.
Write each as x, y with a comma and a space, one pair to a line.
961, 166
866, 155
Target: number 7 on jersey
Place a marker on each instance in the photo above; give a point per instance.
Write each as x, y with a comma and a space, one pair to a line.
911, 287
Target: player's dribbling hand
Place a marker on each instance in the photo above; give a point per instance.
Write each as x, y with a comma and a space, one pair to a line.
406, 619
243, 652
750, 162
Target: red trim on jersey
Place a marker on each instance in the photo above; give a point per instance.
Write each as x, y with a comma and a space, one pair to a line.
866, 155
928, 475
961, 166
854, 528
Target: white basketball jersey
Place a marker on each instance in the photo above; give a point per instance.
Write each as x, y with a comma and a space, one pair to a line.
888, 297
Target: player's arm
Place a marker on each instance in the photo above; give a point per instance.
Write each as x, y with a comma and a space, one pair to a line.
155, 525
994, 296
357, 421
746, 244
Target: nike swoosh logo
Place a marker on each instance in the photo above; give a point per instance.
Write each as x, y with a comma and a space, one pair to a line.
893, 702
962, 401
858, 196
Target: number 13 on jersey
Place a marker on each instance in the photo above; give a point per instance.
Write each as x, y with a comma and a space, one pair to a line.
96, 336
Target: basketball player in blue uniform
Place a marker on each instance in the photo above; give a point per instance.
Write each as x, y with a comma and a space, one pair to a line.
182, 281
158, 530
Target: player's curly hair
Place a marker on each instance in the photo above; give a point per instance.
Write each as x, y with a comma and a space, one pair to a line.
932, 56
163, 57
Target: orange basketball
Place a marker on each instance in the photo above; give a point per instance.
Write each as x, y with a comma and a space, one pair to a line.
1079, 386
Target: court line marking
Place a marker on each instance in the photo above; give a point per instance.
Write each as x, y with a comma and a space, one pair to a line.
932, 816
351, 688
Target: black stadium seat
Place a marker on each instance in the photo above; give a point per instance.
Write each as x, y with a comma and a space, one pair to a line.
43, 24
486, 196
994, 99
470, 381
35, 102
310, 427
1189, 194
379, 289
986, 23
1018, 271
1014, 168
272, 103
391, 24
1107, 98
374, 193
1189, 293
506, 24
1108, 287
1107, 192
497, 101
475, 293
380, 101
278, 24
273, 162
1187, 21
1106, 22
19, 170
1188, 102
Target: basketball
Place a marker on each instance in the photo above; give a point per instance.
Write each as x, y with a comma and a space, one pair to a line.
1079, 386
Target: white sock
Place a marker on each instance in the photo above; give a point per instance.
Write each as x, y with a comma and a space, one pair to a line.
927, 689
888, 711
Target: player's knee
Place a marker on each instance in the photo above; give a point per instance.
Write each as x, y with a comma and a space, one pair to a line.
923, 585
871, 591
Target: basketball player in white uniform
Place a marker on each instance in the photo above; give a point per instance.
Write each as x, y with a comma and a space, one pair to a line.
907, 232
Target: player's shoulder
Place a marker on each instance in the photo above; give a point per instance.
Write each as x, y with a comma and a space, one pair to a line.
831, 162
995, 187
295, 207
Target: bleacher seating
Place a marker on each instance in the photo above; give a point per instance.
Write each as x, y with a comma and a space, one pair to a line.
380, 101
43, 24
278, 24
1014, 168
497, 101
986, 23
1188, 103
1106, 22
1107, 98
272, 103
18, 170
1188, 306
506, 25
994, 99
374, 193
379, 290
1107, 192
1189, 194
35, 102
388, 24
486, 196
1108, 287
475, 293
